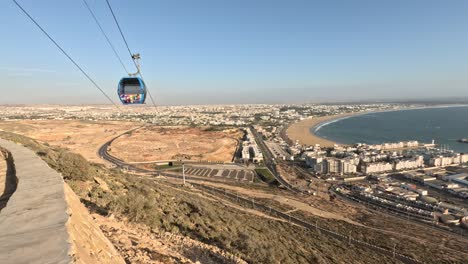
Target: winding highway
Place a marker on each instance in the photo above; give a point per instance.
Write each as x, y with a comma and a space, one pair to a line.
104, 154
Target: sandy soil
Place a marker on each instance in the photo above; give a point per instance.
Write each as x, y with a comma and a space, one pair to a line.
83, 137
300, 131
140, 244
154, 143
151, 143
89, 245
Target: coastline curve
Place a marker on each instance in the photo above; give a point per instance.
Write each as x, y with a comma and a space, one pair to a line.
305, 131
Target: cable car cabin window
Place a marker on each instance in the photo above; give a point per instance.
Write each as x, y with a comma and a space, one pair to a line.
131, 89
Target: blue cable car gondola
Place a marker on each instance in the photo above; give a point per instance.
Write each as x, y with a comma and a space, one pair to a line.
132, 90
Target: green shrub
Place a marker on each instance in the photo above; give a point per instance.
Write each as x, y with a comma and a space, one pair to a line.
74, 166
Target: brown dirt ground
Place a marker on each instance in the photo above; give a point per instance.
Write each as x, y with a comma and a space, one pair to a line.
89, 245
154, 143
140, 244
83, 137
296, 204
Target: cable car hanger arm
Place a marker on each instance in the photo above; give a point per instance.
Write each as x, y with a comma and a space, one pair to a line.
136, 58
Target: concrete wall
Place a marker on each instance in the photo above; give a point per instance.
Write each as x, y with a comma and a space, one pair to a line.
33, 224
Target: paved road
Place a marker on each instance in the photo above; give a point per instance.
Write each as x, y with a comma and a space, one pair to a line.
102, 152
270, 162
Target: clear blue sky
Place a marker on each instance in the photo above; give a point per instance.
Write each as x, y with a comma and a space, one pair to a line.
240, 51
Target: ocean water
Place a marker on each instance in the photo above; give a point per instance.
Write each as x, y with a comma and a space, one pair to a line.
445, 125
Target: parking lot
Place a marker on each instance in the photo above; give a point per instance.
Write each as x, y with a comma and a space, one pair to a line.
235, 174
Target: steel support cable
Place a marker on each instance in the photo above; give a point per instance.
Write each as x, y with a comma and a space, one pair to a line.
128, 48
105, 35
65, 53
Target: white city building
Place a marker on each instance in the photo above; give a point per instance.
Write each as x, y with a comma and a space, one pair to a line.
257, 155
412, 163
442, 161
376, 167
332, 165
245, 153
463, 158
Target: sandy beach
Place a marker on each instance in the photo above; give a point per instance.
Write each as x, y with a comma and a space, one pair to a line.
300, 131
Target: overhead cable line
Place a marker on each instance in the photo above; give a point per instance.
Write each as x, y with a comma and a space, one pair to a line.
120, 29
128, 48
65, 53
105, 35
